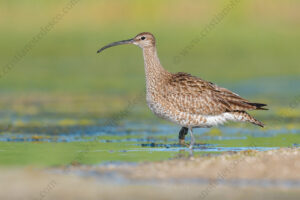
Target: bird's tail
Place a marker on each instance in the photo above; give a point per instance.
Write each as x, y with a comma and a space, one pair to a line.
259, 106
244, 116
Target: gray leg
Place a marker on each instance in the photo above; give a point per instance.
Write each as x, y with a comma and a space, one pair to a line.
192, 139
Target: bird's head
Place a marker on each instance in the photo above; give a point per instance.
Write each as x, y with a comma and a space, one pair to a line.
143, 40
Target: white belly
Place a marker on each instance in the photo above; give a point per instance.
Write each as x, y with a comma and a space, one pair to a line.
189, 120
215, 120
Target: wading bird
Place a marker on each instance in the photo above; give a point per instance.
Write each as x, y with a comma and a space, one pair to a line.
187, 100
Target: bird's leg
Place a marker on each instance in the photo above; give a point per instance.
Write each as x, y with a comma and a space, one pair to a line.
192, 139
182, 133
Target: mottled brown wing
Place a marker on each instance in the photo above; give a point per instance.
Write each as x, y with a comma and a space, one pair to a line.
196, 96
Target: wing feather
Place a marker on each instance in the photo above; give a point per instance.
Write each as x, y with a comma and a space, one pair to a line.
196, 96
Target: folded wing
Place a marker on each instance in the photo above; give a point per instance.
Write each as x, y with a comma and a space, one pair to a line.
196, 96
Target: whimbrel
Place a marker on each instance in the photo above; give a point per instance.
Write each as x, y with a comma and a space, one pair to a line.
186, 100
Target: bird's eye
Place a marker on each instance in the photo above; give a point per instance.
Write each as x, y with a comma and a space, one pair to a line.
143, 38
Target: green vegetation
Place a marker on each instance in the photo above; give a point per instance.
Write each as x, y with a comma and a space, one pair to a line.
51, 154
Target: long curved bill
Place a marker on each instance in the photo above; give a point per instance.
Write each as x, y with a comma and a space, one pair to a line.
130, 41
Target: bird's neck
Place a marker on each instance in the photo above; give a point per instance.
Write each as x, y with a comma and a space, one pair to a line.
155, 73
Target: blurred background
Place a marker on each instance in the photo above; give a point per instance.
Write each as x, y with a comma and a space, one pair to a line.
59, 80
256, 40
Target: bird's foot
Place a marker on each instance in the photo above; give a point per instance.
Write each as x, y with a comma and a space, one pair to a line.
182, 143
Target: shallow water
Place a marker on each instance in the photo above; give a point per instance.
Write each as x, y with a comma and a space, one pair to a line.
134, 142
